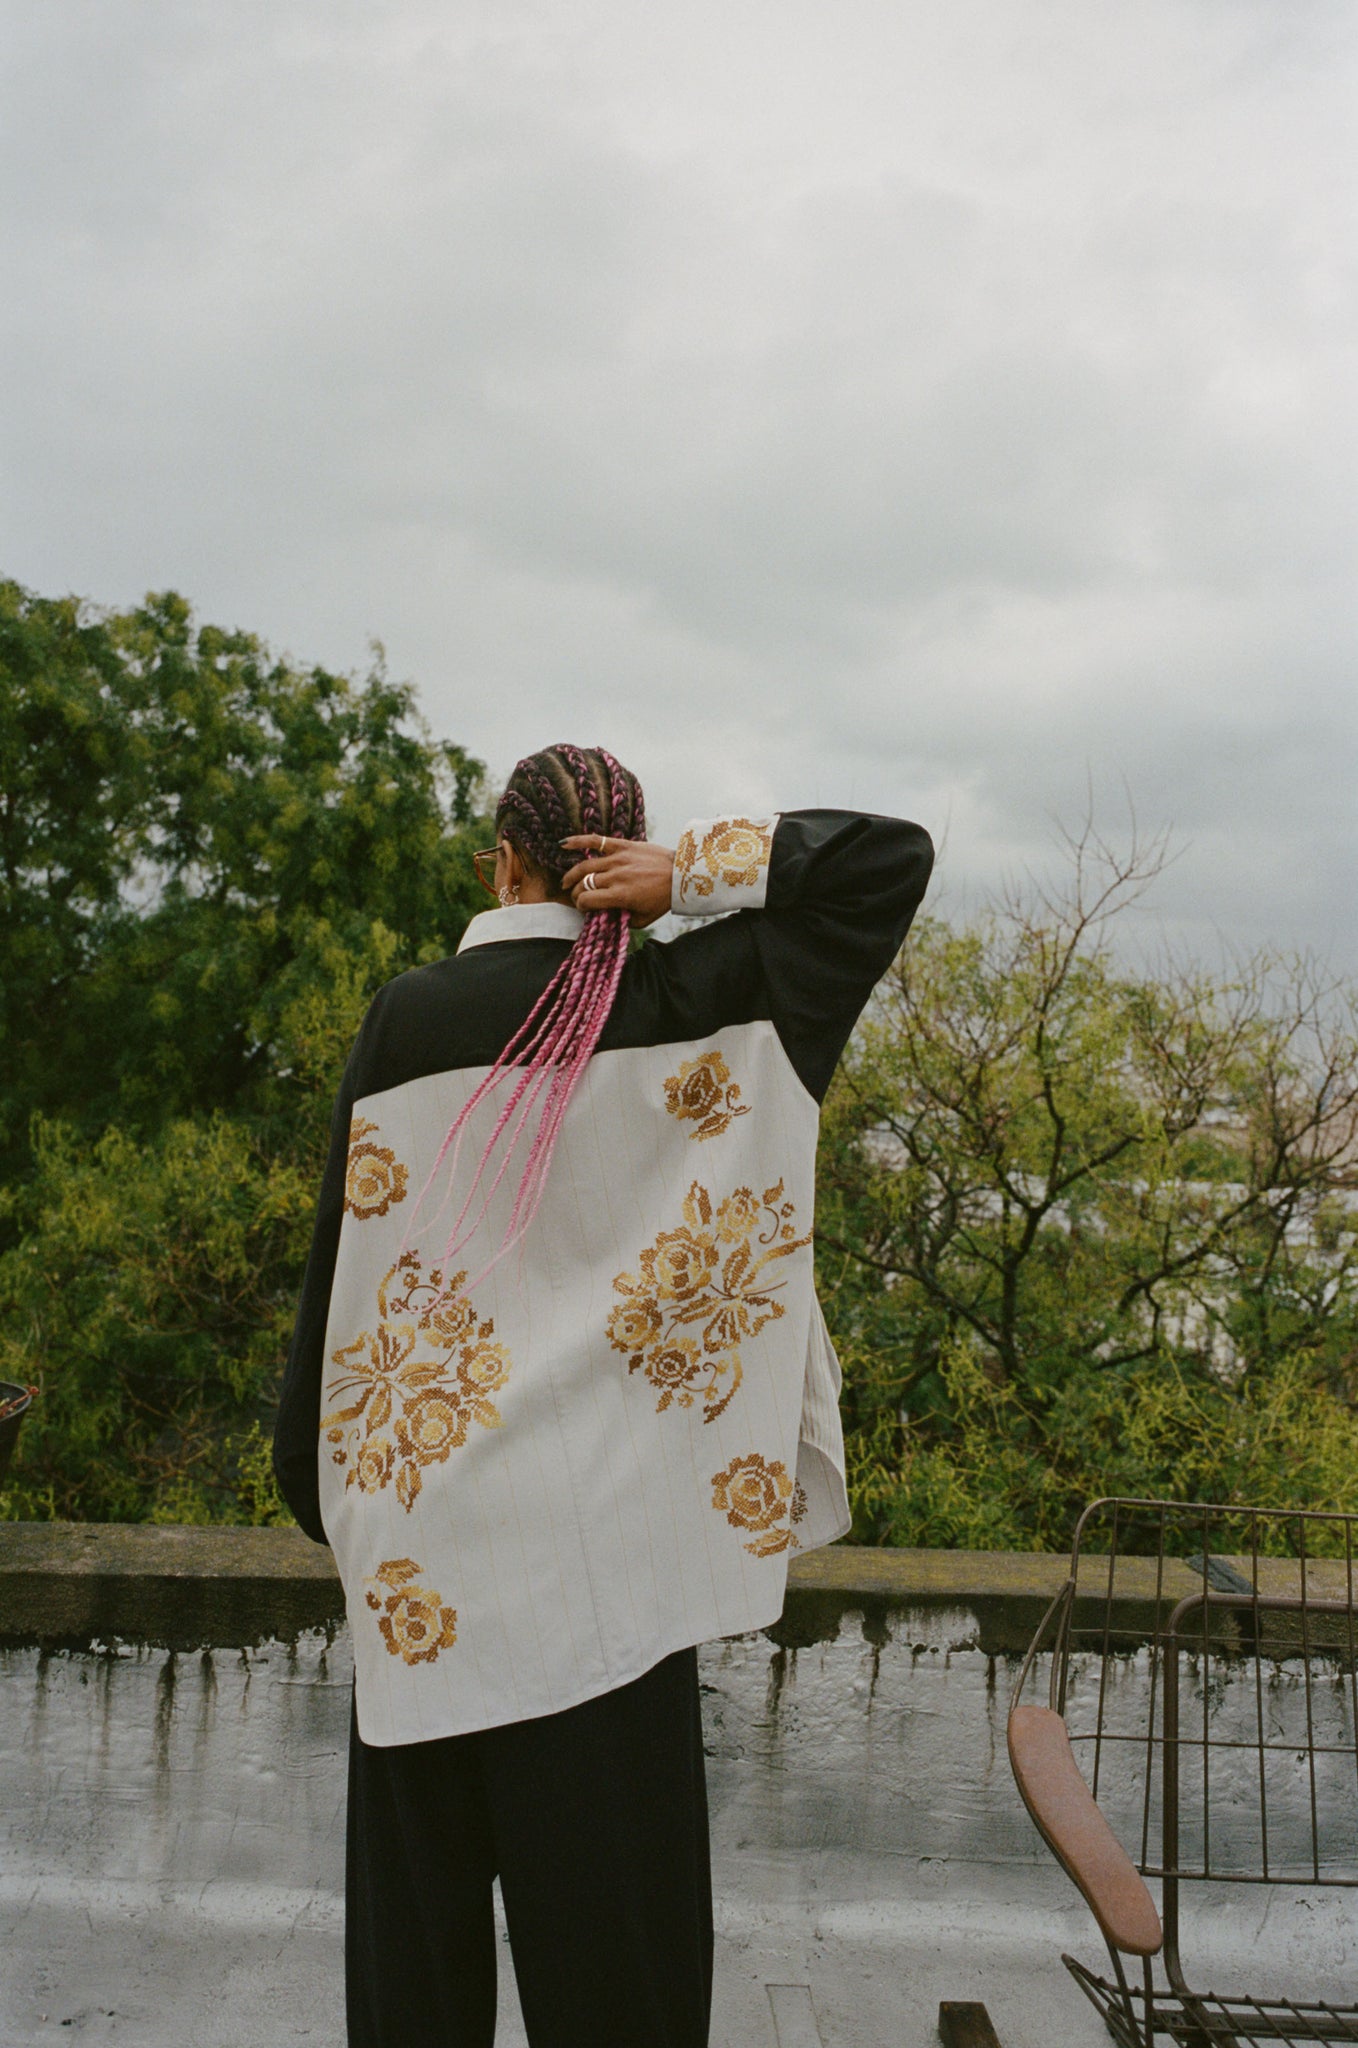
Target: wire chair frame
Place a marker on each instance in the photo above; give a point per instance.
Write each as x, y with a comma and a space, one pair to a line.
1204, 1661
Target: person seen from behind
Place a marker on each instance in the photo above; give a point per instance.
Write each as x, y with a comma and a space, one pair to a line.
560, 1396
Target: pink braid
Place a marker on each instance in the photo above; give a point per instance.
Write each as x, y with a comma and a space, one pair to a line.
586, 1022
598, 987
539, 1053
594, 1017
556, 1041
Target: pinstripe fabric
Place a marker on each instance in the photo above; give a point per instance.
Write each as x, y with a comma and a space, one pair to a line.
576, 1537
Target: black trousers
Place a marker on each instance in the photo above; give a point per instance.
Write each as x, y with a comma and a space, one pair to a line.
594, 1820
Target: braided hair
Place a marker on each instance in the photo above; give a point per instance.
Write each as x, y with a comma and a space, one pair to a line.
550, 796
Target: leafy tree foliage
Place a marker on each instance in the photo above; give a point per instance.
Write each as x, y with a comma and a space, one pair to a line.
190, 831
1080, 1230
152, 1296
1087, 1231
211, 859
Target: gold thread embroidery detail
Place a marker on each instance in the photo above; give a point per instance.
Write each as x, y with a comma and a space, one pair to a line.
422, 1378
414, 1622
374, 1177
703, 1092
733, 852
756, 1493
708, 1277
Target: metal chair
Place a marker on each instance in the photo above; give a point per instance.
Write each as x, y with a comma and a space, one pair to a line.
1203, 1671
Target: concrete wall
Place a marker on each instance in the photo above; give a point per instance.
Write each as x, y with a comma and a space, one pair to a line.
173, 1727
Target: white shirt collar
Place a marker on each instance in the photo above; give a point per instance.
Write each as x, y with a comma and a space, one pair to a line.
523, 921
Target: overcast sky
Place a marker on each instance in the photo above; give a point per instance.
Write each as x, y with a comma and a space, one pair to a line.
930, 409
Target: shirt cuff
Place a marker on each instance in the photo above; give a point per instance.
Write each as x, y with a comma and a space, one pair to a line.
722, 864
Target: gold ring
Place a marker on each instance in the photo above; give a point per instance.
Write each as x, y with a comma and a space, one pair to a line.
603, 844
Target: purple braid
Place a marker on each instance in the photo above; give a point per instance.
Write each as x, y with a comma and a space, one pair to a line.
521, 819
581, 767
625, 800
549, 796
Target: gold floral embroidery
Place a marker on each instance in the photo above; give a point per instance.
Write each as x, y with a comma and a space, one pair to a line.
374, 1178
707, 1276
799, 1502
733, 851
413, 1620
703, 1092
423, 1377
755, 1493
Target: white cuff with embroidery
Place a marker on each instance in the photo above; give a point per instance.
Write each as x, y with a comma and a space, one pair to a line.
721, 864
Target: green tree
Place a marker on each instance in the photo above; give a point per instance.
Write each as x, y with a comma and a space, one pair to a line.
1079, 1187
211, 860
151, 1295
192, 831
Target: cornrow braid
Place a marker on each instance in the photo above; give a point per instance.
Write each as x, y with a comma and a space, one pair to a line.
550, 796
519, 819
544, 811
626, 808
584, 770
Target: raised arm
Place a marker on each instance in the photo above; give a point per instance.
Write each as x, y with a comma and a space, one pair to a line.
832, 893
841, 894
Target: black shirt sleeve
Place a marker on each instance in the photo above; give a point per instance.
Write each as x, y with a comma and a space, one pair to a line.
843, 890
840, 893
295, 1447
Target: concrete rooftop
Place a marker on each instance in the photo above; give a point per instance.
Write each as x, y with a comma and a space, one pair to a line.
172, 1820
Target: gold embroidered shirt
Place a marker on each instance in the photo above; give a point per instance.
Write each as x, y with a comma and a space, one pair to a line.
538, 1484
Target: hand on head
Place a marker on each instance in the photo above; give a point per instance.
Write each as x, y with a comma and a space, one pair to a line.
630, 874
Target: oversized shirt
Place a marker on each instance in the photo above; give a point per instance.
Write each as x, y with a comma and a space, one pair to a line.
540, 1479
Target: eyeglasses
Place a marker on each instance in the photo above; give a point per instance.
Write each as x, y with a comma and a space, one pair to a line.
487, 881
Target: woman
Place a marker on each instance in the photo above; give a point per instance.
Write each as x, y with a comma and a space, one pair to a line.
560, 1396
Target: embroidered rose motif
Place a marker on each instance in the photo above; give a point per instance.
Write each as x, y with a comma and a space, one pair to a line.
634, 1323
432, 1425
452, 1322
678, 1264
755, 1493
374, 1177
733, 852
670, 1369
430, 1364
738, 1215
372, 1467
703, 1092
415, 1624
736, 850
486, 1369
685, 1282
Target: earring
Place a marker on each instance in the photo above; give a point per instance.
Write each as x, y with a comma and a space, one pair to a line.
508, 896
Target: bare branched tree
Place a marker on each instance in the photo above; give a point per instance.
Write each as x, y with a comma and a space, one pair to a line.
1078, 1170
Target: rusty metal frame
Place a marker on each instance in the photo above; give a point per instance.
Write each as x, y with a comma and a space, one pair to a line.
1225, 1627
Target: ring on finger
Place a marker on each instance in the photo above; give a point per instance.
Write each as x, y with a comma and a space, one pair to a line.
591, 880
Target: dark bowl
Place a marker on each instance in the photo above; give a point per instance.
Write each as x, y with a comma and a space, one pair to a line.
9, 1425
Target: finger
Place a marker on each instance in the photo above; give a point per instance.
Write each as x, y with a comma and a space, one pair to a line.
588, 842
600, 898
601, 868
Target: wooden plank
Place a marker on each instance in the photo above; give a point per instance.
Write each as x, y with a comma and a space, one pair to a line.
794, 2016
963, 2024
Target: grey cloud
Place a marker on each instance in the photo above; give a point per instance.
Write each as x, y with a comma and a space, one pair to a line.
919, 409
